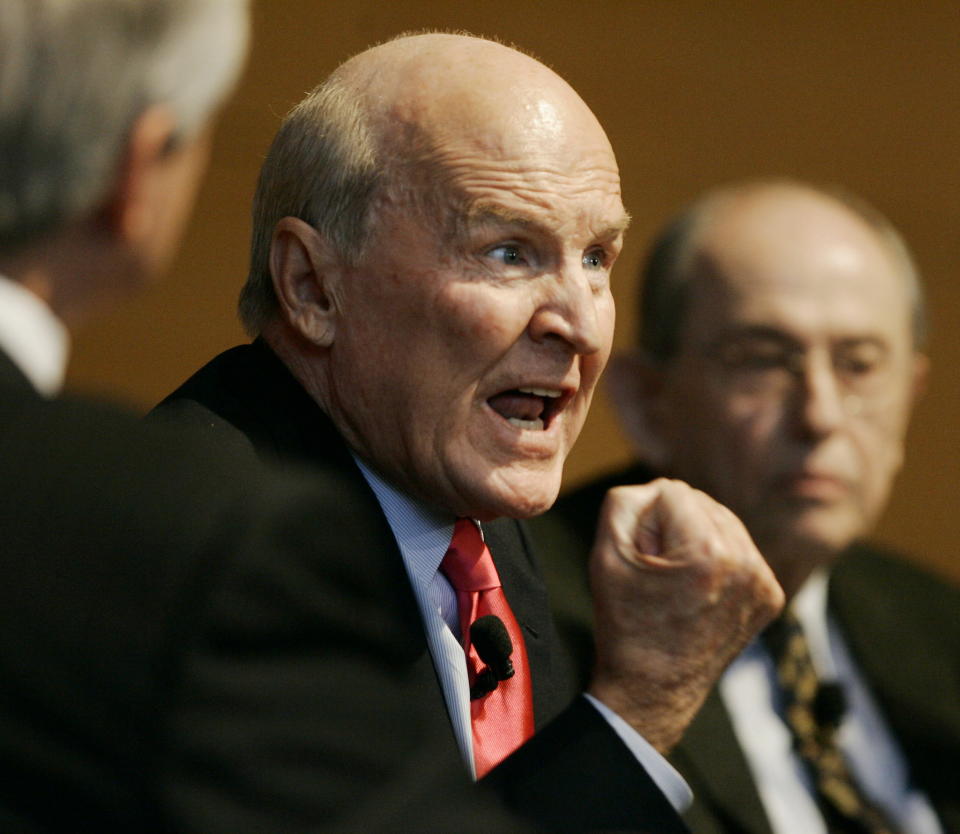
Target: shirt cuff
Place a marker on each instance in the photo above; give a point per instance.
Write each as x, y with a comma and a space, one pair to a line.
671, 783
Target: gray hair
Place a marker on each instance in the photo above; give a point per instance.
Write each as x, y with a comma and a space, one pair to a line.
75, 75
670, 265
324, 167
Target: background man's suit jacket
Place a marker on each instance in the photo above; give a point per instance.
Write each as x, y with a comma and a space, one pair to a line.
901, 624
172, 654
575, 774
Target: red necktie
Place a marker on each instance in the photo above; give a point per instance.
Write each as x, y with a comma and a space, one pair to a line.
502, 720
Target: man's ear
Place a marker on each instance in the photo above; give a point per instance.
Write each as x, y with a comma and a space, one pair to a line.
921, 375
130, 208
635, 385
306, 278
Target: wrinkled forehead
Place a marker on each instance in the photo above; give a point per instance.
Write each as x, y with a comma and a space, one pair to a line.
524, 155
464, 123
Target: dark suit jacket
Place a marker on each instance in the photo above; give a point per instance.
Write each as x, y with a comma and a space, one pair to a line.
575, 773
173, 655
901, 624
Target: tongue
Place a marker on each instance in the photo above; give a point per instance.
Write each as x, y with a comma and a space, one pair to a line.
517, 405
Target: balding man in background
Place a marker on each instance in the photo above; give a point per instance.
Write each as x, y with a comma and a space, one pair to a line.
434, 231
780, 354
141, 571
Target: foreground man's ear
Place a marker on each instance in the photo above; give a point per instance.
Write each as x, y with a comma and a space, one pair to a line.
130, 208
634, 384
138, 225
305, 279
921, 375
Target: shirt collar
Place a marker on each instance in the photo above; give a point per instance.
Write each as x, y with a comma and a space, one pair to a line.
423, 535
33, 337
809, 606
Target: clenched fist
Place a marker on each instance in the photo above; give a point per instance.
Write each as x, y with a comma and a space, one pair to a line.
678, 589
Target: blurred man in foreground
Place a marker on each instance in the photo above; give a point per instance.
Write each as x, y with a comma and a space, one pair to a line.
143, 571
779, 359
434, 231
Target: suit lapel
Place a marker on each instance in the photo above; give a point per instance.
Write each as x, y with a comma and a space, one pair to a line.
527, 596
885, 644
266, 402
710, 757
902, 629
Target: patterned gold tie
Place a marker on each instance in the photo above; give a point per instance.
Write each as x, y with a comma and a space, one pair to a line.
813, 711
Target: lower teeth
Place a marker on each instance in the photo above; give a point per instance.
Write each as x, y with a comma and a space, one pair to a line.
533, 425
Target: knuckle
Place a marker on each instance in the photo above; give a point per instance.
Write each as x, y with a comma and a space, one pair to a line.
628, 495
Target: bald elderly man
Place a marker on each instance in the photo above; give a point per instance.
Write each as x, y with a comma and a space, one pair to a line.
780, 356
434, 231
143, 569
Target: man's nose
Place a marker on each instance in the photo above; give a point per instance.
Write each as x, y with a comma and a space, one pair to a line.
569, 311
820, 397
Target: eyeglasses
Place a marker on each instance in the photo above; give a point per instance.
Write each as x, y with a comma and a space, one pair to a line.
861, 371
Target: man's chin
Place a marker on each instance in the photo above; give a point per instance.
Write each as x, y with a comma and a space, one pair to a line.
492, 509
515, 501
820, 534
531, 510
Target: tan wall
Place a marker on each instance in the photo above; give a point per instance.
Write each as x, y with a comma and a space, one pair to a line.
692, 92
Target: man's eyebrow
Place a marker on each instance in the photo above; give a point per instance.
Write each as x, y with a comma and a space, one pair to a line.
480, 214
618, 227
763, 332
878, 340
751, 332
755, 331
483, 213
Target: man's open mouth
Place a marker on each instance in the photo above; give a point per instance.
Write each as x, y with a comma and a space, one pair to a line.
528, 408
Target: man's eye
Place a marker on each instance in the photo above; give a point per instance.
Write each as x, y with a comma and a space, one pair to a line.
766, 361
754, 358
508, 253
594, 259
859, 360
856, 366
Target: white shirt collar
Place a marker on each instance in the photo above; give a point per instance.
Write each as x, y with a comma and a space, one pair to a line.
809, 605
33, 337
423, 534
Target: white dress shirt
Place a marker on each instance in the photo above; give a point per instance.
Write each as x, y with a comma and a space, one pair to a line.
33, 337
423, 537
872, 753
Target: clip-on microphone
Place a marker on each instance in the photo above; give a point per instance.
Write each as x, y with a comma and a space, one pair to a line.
829, 705
489, 636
